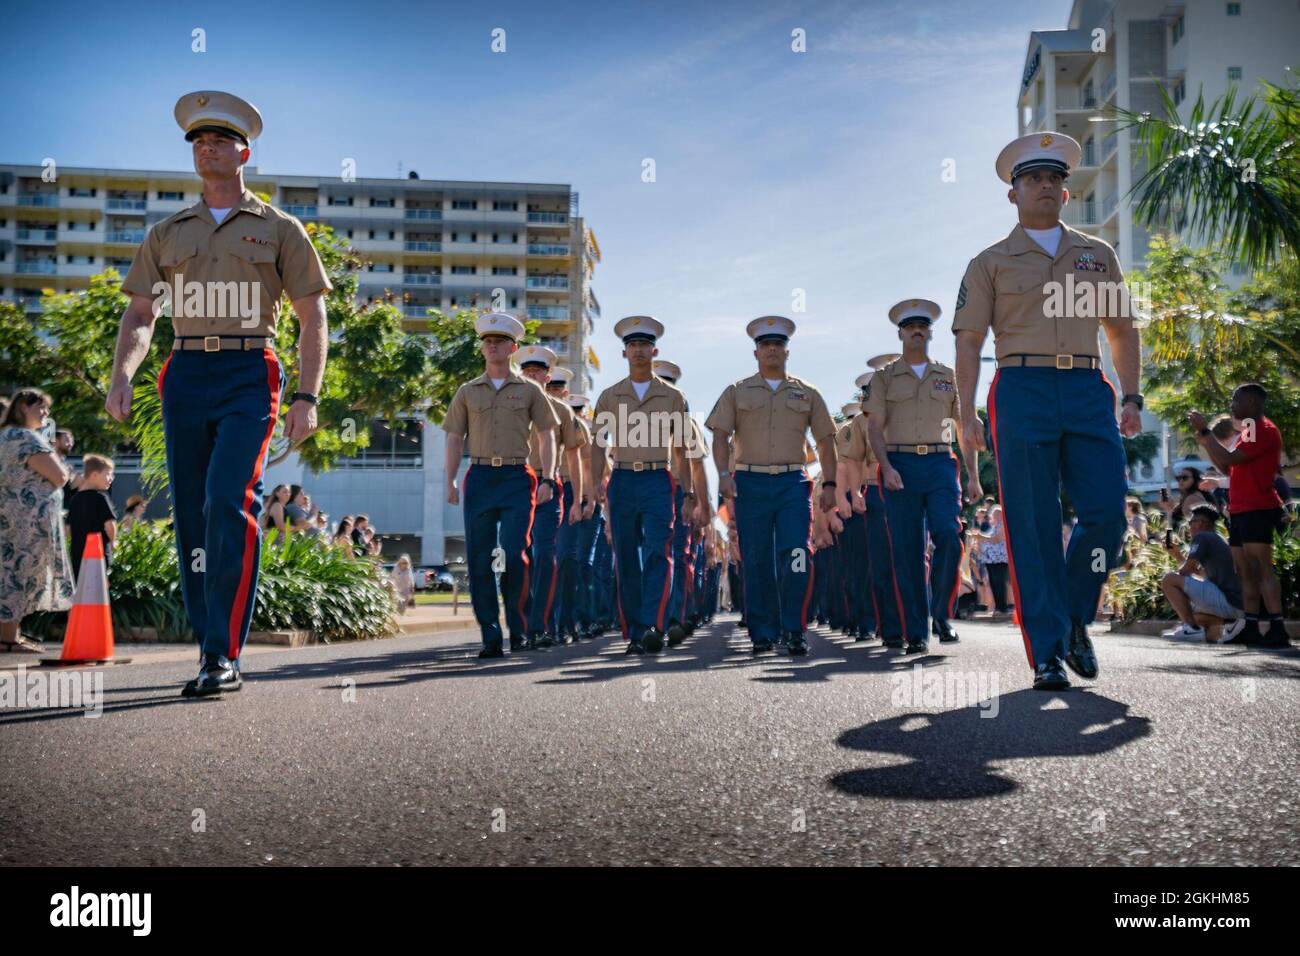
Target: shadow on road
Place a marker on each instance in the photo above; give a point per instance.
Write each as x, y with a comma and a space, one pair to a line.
717, 647
957, 754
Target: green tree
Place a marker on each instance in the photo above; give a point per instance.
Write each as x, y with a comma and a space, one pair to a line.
1230, 172
1201, 340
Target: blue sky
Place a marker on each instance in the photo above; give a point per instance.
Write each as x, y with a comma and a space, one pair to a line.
775, 170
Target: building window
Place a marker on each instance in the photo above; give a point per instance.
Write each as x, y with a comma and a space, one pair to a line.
503, 206
462, 270
340, 200
382, 203
1177, 29
1180, 92
1234, 9
82, 192
464, 204
1234, 73
505, 270
170, 195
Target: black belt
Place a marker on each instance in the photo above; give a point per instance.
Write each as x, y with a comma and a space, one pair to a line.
217, 343
640, 465
1050, 361
770, 469
498, 462
918, 449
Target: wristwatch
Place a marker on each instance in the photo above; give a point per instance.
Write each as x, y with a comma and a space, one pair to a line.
829, 484
303, 397
1134, 398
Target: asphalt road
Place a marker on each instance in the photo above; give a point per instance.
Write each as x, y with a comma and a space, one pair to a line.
411, 751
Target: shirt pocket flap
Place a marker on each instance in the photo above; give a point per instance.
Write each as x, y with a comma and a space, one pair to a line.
901, 388
1017, 283
254, 252
799, 404
176, 251
749, 399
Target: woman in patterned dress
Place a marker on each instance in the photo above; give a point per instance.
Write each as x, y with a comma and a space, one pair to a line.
35, 573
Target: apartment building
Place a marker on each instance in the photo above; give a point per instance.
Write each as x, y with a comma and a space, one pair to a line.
1121, 53
432, 243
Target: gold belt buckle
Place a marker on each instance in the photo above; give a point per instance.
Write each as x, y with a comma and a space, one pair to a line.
497, 461
923, 449
1065, 361
638, 466
212, 343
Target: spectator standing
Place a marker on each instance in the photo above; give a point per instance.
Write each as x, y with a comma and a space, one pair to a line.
343, 536
272, 516
993, 552
91, 511
298, 510
35, 573
359, 533
134, 513
1137, 521
404, 582
1255, 508
1189, 496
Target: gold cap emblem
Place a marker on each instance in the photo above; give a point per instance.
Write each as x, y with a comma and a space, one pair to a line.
202, 101
771, 321
1045, 141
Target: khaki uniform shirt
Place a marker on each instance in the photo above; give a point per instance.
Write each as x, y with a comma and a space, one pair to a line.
498, 421
911, 410
641, 430
1037, 304
568, 434
255, 243
580, 423
769, 426
695, 441
852, 444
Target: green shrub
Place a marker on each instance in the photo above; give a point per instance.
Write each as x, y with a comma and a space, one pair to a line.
302, 585
1136, 592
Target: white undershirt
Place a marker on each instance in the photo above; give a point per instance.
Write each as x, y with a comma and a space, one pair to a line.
497, 383
920, 369
774, 383
220, 214
640, 388
1049, 239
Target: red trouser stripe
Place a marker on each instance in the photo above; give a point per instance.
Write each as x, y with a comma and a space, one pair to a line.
668, 549
889, 537
528, 542
250, 533
162, 373
961, 541
1006, 525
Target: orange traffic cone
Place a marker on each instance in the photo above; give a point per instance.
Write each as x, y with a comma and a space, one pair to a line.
89, 637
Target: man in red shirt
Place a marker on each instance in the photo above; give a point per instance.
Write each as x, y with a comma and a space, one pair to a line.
1254, 508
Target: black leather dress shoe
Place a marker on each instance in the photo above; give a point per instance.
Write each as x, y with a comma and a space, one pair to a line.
796, 645
1050, 675
1081, 658
894, 643
634, 647
653, 640
517, 644
917, 647
541, 641
192, 684
946, 634
219, 677
761, 647
489, 652
676, 634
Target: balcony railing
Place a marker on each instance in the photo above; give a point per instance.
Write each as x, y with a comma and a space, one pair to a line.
542, 249
419, 311
556, 217
302, 210
125, 235
418, 246
548, 282
548, 313
1081, 214
1108, 145
424, 214
39, 199
38, 267
1108, 87
1109, 205
421, 278
37, 235
1069, 99
1089, 154
131, 204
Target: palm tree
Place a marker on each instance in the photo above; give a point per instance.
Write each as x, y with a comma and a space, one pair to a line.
1230, 172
